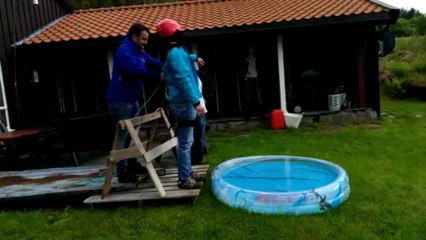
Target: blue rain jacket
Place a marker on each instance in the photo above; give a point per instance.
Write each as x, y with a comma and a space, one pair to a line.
181, 76
132, 65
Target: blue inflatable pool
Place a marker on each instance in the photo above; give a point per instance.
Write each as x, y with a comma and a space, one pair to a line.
280, 184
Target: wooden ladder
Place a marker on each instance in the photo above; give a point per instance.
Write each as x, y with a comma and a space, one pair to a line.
139, 149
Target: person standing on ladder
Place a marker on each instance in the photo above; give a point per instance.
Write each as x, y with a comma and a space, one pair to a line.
132, 65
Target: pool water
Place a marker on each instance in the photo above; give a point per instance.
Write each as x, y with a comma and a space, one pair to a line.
280, 175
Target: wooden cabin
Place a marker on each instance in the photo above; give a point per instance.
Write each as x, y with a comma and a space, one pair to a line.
305, 52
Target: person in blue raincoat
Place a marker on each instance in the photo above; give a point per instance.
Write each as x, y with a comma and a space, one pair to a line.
132, 66
183, 96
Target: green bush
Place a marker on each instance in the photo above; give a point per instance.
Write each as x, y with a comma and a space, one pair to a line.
419, 66
397, 88
399, 69
403, 28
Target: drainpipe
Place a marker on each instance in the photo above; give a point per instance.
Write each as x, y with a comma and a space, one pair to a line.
281, 75
110, 59
292, 120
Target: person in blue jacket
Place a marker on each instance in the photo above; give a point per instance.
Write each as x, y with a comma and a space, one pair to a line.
183, 96
132, 65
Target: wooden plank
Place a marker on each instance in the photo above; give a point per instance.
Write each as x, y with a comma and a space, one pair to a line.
152, 135
126, 197
148, 191
108, 177
145, 118
36, 183
19, 20
27, 18
160, 150
155, 179
197, 168
152, 188
125, 153
135, 137
168, 125
150, 184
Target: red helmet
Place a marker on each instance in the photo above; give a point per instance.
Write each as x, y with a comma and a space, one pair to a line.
167, 27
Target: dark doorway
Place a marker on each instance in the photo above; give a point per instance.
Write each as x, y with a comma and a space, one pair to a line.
226, 79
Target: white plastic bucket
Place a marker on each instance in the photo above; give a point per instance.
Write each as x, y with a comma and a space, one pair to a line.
292, 120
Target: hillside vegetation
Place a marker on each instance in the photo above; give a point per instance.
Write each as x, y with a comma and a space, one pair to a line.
403, 72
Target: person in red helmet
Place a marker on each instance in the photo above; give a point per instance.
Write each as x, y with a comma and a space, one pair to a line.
183, 96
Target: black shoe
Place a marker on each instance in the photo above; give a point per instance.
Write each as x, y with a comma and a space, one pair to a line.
196, 163
124, 176
189, 184
197, 177
135, 168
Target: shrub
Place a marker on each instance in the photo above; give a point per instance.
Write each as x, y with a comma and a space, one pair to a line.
397, 88
403, 72
419, 66
399, 69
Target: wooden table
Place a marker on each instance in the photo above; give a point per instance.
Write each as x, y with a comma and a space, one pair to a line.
14, 141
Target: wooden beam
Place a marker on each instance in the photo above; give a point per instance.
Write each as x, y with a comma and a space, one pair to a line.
125, 153
160, 150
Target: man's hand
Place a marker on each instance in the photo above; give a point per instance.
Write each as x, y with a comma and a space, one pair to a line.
200, 62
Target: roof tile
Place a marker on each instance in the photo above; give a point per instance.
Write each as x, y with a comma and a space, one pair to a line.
197, 15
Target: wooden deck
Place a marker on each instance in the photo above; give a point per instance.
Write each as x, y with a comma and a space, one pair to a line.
147, 190
31, 184
16, 185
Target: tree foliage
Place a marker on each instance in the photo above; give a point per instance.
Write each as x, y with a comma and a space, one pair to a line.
409, 13
410, 23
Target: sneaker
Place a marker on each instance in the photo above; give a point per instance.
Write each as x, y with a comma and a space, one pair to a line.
197, 177
189, 184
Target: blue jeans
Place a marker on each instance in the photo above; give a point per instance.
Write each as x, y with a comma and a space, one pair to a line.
197, 150
185, 114
120, 111
252, 86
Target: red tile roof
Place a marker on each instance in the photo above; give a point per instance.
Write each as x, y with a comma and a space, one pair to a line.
198, 15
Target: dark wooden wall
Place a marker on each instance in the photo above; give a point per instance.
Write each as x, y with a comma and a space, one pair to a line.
80, 69
332, 52
18, 20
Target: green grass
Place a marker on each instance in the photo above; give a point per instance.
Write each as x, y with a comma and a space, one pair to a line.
385, 161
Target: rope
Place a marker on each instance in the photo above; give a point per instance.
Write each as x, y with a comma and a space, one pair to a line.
149, 99
140, 109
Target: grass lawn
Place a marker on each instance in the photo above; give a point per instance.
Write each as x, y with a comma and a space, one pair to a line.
385, 161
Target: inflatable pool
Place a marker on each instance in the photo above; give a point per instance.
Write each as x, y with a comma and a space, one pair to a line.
280, 184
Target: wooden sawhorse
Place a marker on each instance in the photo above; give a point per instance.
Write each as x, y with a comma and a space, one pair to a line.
139, 149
